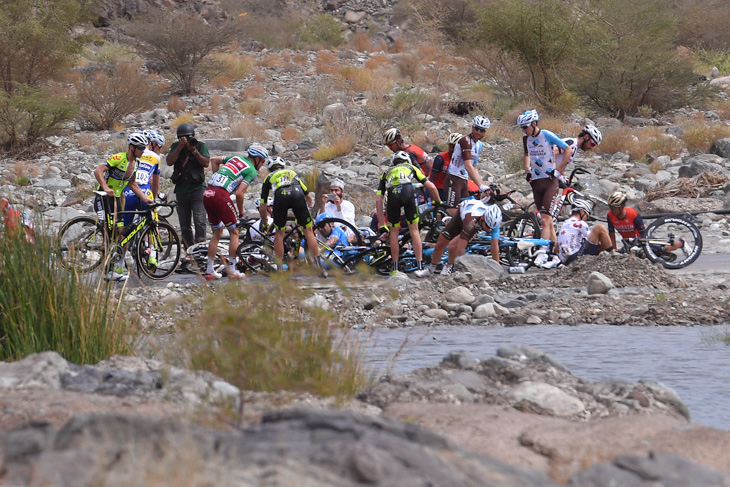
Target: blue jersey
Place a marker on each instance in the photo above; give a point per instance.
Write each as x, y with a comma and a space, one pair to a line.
540, 150
149, 165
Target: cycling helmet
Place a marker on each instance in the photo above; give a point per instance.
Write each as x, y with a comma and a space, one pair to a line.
493, 216
391, 135
454, 138
273, 162
400, 157
185, 130
617, 199
579, 204
258, 151
155, 137
137, 138
322, 217
528, 117
595, 134
481, 122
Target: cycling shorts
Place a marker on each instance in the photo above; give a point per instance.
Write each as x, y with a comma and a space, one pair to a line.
456, 189
291, 198
107, 205
221, 210
133, 203
587, 248
543, 191
401, 196
456, 227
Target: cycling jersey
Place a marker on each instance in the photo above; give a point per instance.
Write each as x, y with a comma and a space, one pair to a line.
338, 232
14, 219
571, 236
440, 170
573, 143
466, 144
464, 223
280, 179
233, 171
289, 194
148, 166
540, 150
256, 233
420, 156
399, 175
630, 226
117, 166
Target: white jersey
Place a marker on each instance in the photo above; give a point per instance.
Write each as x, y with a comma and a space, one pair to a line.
540, 150
457, 168
573, 143
257, 233
571, 236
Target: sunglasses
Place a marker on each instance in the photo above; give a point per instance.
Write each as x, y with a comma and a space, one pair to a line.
523, 127
480, 130
139, 147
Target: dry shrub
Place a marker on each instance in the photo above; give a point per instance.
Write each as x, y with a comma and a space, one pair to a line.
85, 140
215, 102
315, 96
252, 106
284, 113
376, 61
510, 116
409, 66
558, 126
361, 41
271, 60
246, 128
361, 79
257, 90
232, 67
427, 53
286, 56
290, 133
662, 144
699, 136
640, 142
722, 107
500, 129
326, 62
338, 148
184, 118
301, 59
176, 104
398, 45
259, 76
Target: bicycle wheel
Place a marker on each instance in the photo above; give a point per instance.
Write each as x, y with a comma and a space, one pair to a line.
256, 256
673, 241
349, 226
431, 224
195, 260
154, 243
524, 226
82, 244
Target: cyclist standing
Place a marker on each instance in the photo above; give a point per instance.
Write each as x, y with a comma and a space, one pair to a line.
116, 174
290, 192
473, 216
463, 160
539, 162
576, 236
441, 162
393, 140
587, 139
231, 175
148, 175
398, 183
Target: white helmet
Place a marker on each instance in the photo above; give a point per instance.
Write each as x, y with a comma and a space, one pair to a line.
391, 135
481, 122
273, 162
257, 151
493, 216
399, 157
594, 133
579, 204
138, 139
155, 137
454, 138
528, 117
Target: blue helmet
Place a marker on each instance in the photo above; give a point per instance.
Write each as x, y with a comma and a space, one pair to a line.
258, 151
322, 217
528, 117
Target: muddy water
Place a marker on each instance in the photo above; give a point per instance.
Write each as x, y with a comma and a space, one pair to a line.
683, 358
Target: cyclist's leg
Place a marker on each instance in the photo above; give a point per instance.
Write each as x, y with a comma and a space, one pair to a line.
410, 211
599, 236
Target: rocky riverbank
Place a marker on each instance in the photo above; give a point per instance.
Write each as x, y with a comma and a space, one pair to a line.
519, 419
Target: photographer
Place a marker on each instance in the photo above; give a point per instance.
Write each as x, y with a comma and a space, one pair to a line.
190, 158
337, 206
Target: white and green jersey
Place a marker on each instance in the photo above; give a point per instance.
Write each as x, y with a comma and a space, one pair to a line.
234, 170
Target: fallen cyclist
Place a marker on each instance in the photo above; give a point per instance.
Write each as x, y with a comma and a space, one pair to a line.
472, 216
576, 237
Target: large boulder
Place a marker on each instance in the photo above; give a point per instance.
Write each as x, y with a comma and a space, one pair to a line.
696, 165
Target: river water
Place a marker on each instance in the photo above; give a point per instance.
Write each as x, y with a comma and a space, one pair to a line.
685, 359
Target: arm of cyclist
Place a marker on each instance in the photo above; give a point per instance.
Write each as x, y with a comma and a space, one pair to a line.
240, 191
526, 166
155, 185
138, 191
99, 175
567, 154
434, 192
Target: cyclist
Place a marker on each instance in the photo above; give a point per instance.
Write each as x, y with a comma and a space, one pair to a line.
587, 139
393, 140
473, 216
231, 175
539, 163
441, 162
629, 224
259, 228
576, 236
116, 174
398, 183
290, 192
463, 160
13, 219
148, 176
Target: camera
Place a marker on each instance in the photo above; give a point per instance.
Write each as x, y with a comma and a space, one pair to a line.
331, 197
192, 140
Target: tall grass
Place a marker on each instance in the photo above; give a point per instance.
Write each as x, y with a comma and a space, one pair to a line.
45, 307
263, 338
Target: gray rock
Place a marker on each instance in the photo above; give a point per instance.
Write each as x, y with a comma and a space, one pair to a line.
53, 184
696, 165
481, 268
545, 399
598, 283
485, 311
721, 148
334, 113
437, 313
460, 295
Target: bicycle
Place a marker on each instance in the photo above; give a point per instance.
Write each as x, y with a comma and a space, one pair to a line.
660, 243
85, 242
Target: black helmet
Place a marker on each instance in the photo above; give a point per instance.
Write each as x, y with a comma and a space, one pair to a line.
185, 130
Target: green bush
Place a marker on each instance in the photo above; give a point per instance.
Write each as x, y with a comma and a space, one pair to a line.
321, 31
263, 338
44, 307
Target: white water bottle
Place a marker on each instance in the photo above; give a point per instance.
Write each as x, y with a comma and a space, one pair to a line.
517, 269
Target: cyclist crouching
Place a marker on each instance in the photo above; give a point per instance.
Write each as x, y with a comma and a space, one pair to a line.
576, 237
472, 216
